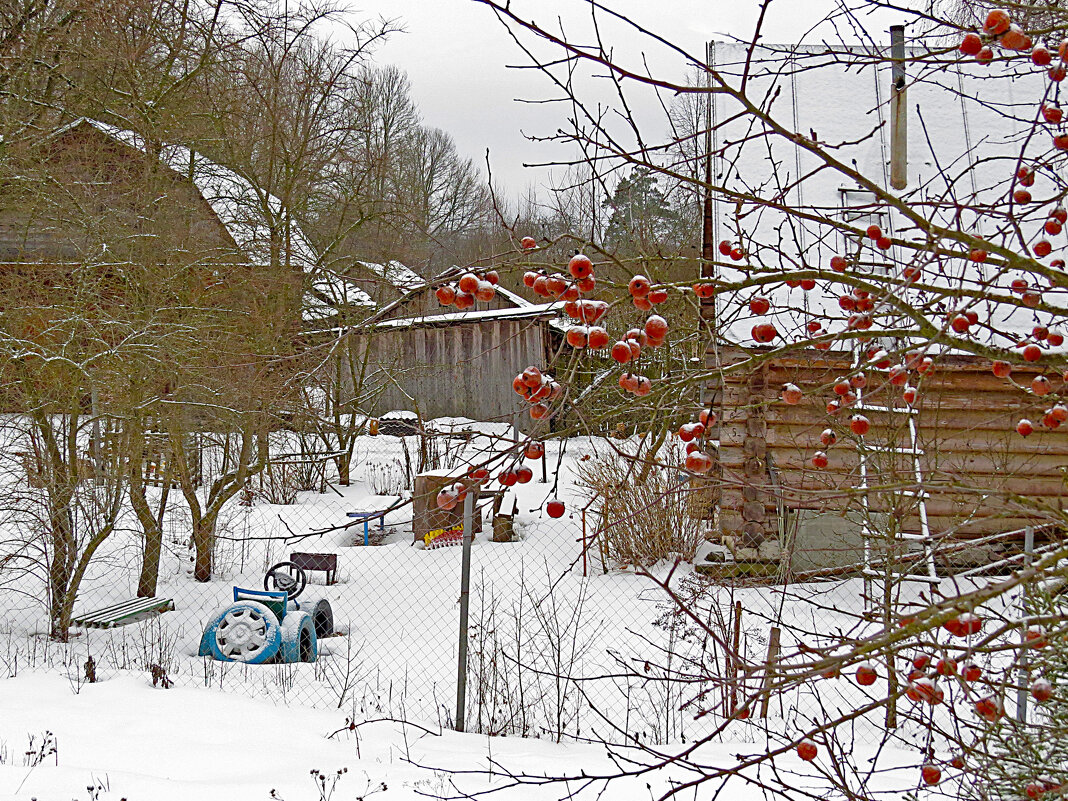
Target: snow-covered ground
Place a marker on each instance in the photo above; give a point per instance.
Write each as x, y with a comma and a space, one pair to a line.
124, 739
538, 613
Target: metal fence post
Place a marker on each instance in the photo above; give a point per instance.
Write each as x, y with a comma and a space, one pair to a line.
465, 588
1024, 673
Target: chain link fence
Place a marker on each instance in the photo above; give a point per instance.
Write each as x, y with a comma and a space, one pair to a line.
592, 625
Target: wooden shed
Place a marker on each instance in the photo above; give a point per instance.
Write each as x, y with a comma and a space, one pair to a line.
459, 364
979, 474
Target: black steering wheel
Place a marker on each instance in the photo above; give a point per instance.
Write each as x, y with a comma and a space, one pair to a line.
280, 575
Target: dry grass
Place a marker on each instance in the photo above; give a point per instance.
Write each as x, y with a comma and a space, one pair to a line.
646, 519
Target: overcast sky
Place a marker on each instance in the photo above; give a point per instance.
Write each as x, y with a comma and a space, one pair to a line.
456, 54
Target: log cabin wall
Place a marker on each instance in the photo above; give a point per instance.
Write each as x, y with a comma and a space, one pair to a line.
982, 476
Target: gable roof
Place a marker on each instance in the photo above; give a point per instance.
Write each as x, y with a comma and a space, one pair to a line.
233, 198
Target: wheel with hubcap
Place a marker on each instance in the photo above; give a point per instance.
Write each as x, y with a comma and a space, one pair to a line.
246, 631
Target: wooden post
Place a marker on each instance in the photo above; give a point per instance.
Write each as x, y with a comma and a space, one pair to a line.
736, 656
769, 670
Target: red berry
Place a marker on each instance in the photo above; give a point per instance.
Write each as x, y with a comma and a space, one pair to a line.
1040, 56
971, 44
580, 266
931, 774
866, 674
997, 22
528, 243
1041, 690
806, 749
764, 333
639, 286
656, 327
989, 708
698, 462
555, 508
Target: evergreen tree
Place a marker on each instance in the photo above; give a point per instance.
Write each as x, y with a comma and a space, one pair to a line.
642, 220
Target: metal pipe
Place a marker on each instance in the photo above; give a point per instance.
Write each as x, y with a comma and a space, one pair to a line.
1024, 676
899, 159
585, 545
465, 597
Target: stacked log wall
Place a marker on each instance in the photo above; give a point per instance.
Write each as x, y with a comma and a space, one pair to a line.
982, 476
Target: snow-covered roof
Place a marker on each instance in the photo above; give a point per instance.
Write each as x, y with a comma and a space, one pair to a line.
527, 312
403, 278
330, 291
509, 295
957, 118
240, 207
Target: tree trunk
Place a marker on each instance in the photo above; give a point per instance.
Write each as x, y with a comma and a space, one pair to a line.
204, 543
152, 546
61, 535
343, 472
151, 529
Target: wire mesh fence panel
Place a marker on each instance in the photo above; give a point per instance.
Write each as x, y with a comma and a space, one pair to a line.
591, 624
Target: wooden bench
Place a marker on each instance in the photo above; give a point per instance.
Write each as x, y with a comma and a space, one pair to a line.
326, 562
131, 611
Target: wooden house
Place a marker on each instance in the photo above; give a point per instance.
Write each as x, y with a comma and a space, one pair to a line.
978, 475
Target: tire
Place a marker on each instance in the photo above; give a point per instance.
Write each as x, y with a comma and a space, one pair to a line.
299, 643
322, 615
245, 631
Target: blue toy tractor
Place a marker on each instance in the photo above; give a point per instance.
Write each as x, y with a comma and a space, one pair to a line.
269, 625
